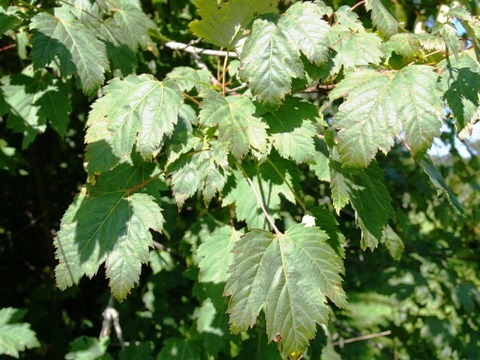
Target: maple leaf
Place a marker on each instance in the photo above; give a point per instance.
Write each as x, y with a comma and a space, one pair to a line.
379, 105
79, 50
224, 25
288, 275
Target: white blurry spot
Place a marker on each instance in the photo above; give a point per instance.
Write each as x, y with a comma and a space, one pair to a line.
308, 220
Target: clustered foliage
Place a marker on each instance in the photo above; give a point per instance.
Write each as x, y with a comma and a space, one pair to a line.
256, 175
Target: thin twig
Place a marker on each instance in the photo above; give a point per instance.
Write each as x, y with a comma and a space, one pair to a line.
7, 47
138, 186
360, 3
403, 142
361, 338
175, 45
260, 203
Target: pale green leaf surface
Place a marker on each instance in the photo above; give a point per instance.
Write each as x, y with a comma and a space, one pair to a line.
121, 57
88, 348
377, 106
15, 336
413, 46
382, 19
79, 50
223, 26
216, 253
321, 161
357, 49
367, 192
348, 19
304, 25
291, 128
109, 224
460, 82
289, 276
138, 110
134, 24
186, 78
269, 61
236, 122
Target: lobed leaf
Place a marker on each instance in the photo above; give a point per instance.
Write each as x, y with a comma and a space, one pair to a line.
382, 19
460, 79
111, 225
78, 48
379, 104
269, 61
237, 125
33, 98
291, 128
360, 189
138, 110
15, 336
224, 25
216, 253
289, 276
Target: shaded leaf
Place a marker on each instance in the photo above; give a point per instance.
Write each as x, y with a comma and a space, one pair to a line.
361, 188
216, 254
291, 128
179, 349
289, 276
109, 225
78, 48
237, 125
460, 81
138, 110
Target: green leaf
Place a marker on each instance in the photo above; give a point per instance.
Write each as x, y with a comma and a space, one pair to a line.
440, 184
291, 128
78, 48
204, 169
378, 104
186, 78
460, 81
361, 188
393, 242
356, 49
269, 62
414, 46
348, 19
224, 25
9, 19
88, 348
15, 336
289, 276
216, 254
303, 23
382, 19
109, 224
269, 184
32, 100
321, 161
179, 349
133, 22
236, 122
138, 110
